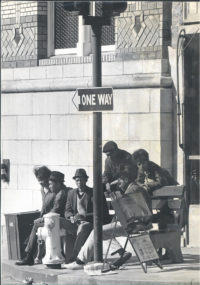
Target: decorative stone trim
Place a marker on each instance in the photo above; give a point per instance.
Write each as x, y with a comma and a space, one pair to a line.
122, 81
141, 15
17, 29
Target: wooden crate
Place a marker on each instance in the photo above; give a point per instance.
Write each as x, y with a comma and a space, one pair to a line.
18, 228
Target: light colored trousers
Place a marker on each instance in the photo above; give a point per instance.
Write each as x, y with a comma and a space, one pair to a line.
87, 251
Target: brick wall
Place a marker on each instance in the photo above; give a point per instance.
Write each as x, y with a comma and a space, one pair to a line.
24, 32
143, 30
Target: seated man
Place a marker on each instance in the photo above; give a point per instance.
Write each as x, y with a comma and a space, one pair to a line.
79, 212
86, 253
42, 174
150, 175
53, 201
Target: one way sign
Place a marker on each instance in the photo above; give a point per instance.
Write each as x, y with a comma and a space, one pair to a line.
94, 99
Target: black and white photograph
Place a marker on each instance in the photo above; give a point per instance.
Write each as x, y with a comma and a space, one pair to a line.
100, 148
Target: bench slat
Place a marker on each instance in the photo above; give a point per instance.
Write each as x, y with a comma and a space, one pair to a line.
169, 191
174, 204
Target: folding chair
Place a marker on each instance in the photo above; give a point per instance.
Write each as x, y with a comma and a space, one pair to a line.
135, 217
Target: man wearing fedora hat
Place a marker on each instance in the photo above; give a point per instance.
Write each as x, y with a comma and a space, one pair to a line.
54, 200
79, 211
115, 228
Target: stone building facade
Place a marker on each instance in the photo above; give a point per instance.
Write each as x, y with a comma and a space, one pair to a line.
39, 122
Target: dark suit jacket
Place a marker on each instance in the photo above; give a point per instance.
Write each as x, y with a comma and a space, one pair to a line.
47, 202
55, 202
71, 206
159, 177
60, 201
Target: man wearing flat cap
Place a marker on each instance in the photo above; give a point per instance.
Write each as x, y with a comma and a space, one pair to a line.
79, 211
54, 200
117, 160
56, 185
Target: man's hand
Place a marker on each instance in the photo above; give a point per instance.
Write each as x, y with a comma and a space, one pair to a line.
108, 187
139, 182
78, 218
39, 220
104, 179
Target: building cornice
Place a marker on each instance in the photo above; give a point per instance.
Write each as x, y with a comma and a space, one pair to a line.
117, 82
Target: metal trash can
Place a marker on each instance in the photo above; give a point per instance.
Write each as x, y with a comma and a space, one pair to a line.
18, 228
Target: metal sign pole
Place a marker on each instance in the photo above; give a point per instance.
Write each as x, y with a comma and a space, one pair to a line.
97, 146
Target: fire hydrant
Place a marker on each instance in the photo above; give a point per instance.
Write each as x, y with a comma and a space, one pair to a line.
51, 234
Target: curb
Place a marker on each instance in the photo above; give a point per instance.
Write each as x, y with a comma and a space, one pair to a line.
41, 274
20, 273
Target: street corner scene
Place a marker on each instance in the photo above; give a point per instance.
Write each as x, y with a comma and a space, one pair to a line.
100, 142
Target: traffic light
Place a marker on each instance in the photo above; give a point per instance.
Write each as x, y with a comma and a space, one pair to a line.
5, 170
113, 8
77, 7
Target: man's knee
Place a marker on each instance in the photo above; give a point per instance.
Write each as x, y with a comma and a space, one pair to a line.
85, 228
64, 223
37, 224
108, 227
35, 227
68, 226
91, 235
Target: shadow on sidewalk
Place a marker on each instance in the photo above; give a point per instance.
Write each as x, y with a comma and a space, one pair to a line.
191, 258
191, 263
185, 268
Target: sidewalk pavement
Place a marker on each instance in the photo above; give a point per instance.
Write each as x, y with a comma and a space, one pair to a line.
131, 273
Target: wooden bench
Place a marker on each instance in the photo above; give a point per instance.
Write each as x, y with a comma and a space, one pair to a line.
170, 213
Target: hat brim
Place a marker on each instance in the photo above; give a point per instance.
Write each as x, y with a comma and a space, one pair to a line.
84, 176
56, 180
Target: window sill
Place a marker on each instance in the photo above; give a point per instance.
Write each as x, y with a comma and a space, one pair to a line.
63, 59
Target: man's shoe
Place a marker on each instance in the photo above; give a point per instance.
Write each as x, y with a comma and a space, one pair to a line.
165, 256
73, 266
25, 261
148, 226
37, 261
126, 256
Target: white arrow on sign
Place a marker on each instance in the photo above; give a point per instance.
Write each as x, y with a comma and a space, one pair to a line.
76, 100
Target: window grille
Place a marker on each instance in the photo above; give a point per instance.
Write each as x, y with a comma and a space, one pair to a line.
66, 28
108, 34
